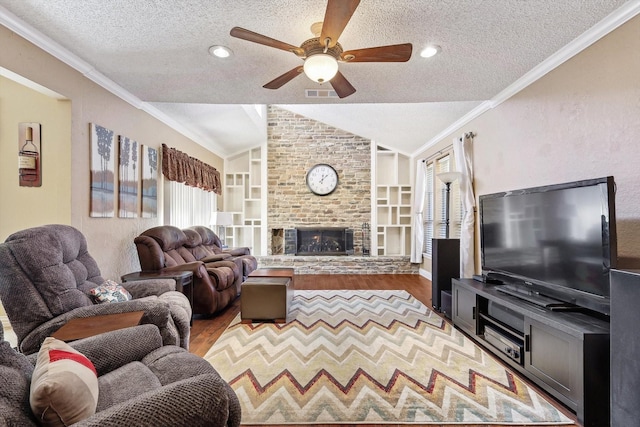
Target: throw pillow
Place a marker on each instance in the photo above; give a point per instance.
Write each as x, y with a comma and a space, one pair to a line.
110, 291
64, 385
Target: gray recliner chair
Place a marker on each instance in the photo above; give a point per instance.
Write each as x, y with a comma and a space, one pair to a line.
172, 387
46, 274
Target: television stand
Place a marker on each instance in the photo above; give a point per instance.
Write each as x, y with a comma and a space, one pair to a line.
560, 348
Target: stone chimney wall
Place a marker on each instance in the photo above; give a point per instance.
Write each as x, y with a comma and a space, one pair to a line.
296, 143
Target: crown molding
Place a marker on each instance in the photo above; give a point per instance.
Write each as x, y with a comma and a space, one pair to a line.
580, 43
586, 39
34, 36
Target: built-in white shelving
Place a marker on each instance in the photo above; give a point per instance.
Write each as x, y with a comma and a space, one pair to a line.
243, 198
392, 198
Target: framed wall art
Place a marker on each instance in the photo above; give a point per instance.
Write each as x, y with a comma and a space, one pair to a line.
149, 182
102, 172
129, 174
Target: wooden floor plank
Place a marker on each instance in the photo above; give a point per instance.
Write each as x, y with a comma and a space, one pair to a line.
206, 331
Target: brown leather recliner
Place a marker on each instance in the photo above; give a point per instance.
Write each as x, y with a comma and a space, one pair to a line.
211, 241
216, 280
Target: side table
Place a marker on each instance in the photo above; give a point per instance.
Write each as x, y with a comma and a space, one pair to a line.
183, 279
83, 327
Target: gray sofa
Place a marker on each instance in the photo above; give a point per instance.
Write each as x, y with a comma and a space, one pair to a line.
46, 274
172, 387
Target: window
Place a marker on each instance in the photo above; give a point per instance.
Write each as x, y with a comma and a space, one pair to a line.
186, 206
428, 209
435, 203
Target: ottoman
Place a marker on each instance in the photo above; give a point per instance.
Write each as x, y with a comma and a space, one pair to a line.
265, 298
275, 272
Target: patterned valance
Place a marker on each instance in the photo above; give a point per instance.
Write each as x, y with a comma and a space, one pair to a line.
178, 166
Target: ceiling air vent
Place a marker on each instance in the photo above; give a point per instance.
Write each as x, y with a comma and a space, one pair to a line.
320, 93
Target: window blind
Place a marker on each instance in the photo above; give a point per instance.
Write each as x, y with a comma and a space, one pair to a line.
428, 210
188, 206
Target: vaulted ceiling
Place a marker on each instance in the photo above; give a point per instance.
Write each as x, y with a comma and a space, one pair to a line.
157, 51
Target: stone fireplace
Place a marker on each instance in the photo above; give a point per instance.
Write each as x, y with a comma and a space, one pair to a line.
296, 144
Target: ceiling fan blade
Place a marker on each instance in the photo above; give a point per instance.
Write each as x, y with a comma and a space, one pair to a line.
280, 81
248, 35
336, 17
342, 86
392, 53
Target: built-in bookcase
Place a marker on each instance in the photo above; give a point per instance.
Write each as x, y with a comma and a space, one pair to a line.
392, 213
243, 198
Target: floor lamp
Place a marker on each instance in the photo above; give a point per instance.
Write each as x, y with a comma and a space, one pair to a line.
222, 220
445, 256
448, 178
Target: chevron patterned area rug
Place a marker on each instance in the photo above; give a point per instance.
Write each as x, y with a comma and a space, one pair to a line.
369, 357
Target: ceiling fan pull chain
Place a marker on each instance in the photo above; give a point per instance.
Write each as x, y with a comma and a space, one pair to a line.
327, 41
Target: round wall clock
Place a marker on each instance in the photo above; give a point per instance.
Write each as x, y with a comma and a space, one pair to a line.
322, 179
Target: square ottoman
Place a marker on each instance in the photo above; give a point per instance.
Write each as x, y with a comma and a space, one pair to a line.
265, 298
275, 272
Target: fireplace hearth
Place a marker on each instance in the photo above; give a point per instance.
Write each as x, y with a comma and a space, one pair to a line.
318, 241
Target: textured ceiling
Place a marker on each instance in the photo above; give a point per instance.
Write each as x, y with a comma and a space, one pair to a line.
158, 51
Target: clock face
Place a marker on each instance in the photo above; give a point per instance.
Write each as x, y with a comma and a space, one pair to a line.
322, 179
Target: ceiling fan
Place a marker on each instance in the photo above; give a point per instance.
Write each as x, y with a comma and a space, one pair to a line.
322, 53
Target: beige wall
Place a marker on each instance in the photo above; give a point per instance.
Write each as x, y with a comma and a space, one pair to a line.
110, 239
51, 203
580, 121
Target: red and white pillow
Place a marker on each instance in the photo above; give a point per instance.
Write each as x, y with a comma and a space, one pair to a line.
64, 386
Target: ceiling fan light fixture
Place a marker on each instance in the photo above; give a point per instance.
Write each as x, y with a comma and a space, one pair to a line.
430, 50
220, 51
320, 67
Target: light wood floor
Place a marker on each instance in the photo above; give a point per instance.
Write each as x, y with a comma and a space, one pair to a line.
206, 331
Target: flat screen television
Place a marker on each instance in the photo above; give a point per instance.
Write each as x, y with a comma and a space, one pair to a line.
557, 241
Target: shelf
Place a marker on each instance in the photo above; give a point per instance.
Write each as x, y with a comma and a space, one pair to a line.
386, 168
233, 202
254, 175
256, 193
382, 192
252, 209
243, 198
501, 326
383, 215
404, 170
393, 203
239, 163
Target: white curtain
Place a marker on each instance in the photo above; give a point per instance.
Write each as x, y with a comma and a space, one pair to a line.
417, 237
188, 206
464, 164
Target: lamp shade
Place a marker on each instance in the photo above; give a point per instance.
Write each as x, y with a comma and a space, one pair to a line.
320, 67
221, 218
448, 177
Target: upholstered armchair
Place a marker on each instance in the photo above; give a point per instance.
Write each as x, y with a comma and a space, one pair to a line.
216, 278
139, 382
46, 278
213, 244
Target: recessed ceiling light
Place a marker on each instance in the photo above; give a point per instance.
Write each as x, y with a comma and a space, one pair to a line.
430, 50
220, 51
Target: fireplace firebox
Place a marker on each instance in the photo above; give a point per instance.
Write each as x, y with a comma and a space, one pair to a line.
320, 241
